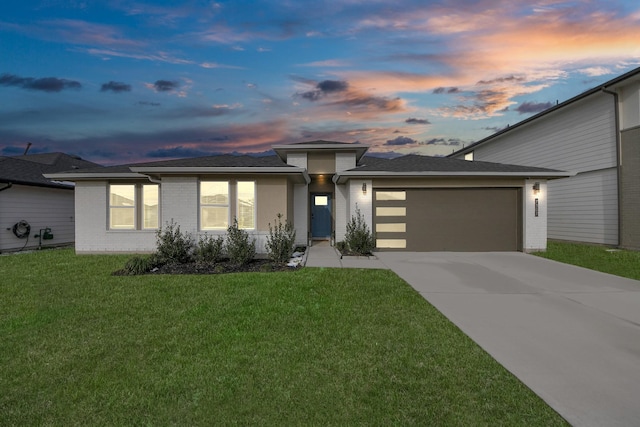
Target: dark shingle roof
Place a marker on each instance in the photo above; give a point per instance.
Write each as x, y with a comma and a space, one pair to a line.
417, 163
220, 161
321, 142
28, 169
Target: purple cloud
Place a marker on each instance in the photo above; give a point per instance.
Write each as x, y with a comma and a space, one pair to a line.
533, 107
45, 84
440, 90
414, 121
325, 87
166, 85
401, 140
115, 87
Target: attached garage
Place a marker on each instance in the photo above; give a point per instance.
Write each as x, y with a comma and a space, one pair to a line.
433, 204
448, 219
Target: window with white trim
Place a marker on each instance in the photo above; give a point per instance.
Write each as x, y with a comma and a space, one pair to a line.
134, 206
246, 205
214, 205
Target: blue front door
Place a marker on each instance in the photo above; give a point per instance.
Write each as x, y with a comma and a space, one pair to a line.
321, 216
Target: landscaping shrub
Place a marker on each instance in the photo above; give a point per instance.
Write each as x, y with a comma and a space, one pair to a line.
359, 238
280, 241
174, 246
138, 265
240, 249
209, 249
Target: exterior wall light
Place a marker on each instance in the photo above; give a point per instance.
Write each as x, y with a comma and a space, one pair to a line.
536, 188
364, 188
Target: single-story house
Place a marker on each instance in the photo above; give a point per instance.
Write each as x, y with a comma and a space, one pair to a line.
31, 204
416, 203
595, 135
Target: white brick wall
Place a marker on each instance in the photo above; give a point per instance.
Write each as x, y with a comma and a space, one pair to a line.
92, 233
341, 210
535, 228
179, 201
364, 202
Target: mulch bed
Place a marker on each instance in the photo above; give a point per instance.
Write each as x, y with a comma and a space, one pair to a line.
223, 267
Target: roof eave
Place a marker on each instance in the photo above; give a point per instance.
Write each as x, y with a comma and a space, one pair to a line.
93, 176
614, 82
144, 172
281, 150
248, 170
342, 177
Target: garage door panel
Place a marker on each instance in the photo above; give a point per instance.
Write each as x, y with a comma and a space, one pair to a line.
459, 220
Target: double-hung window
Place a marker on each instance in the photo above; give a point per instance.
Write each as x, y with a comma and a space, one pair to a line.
246, 207
214, 205
220, 201
133, 206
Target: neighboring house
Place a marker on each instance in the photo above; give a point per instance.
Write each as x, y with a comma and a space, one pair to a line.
412, 202
30, 203
596, 135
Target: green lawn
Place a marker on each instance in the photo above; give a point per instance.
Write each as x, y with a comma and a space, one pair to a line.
619, 262
313, 347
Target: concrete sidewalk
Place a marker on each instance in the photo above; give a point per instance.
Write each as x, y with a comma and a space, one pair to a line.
322, 254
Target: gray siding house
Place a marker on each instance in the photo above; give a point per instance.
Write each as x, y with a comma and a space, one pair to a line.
595, 135
31, 203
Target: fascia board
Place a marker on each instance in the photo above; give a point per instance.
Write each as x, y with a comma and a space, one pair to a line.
92, 176
341, 178
170, 170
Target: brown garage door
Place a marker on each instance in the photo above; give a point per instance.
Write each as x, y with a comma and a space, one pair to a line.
461, 219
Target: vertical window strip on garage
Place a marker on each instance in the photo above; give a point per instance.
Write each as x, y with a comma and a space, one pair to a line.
388, 233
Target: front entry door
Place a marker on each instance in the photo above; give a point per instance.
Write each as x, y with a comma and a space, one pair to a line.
320, 216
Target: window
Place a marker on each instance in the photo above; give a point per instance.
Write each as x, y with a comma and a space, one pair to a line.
246, 212
150, 206
388, 211
399, 227
391, 243
214, 205
122, 207
125, 211
391, 195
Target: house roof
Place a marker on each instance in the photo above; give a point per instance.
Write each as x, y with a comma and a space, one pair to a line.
29, 169
219, 164
320, 145
414, 165
632, 75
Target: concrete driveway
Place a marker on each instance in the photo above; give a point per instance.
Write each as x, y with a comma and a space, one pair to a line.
571, 334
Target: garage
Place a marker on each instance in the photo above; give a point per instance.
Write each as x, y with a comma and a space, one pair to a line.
448, 219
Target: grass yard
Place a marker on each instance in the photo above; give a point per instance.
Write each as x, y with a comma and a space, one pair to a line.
313, 347
619, 262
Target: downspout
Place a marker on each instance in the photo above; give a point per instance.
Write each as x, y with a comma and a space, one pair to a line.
8, 186
618, 159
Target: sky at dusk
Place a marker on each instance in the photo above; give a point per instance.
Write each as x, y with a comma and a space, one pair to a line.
127, 81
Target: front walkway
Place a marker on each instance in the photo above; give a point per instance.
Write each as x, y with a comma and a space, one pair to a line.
322, 254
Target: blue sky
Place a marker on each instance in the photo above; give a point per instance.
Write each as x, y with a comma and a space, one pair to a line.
125, 81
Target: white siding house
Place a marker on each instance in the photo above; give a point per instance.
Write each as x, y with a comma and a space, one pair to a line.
586, 135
